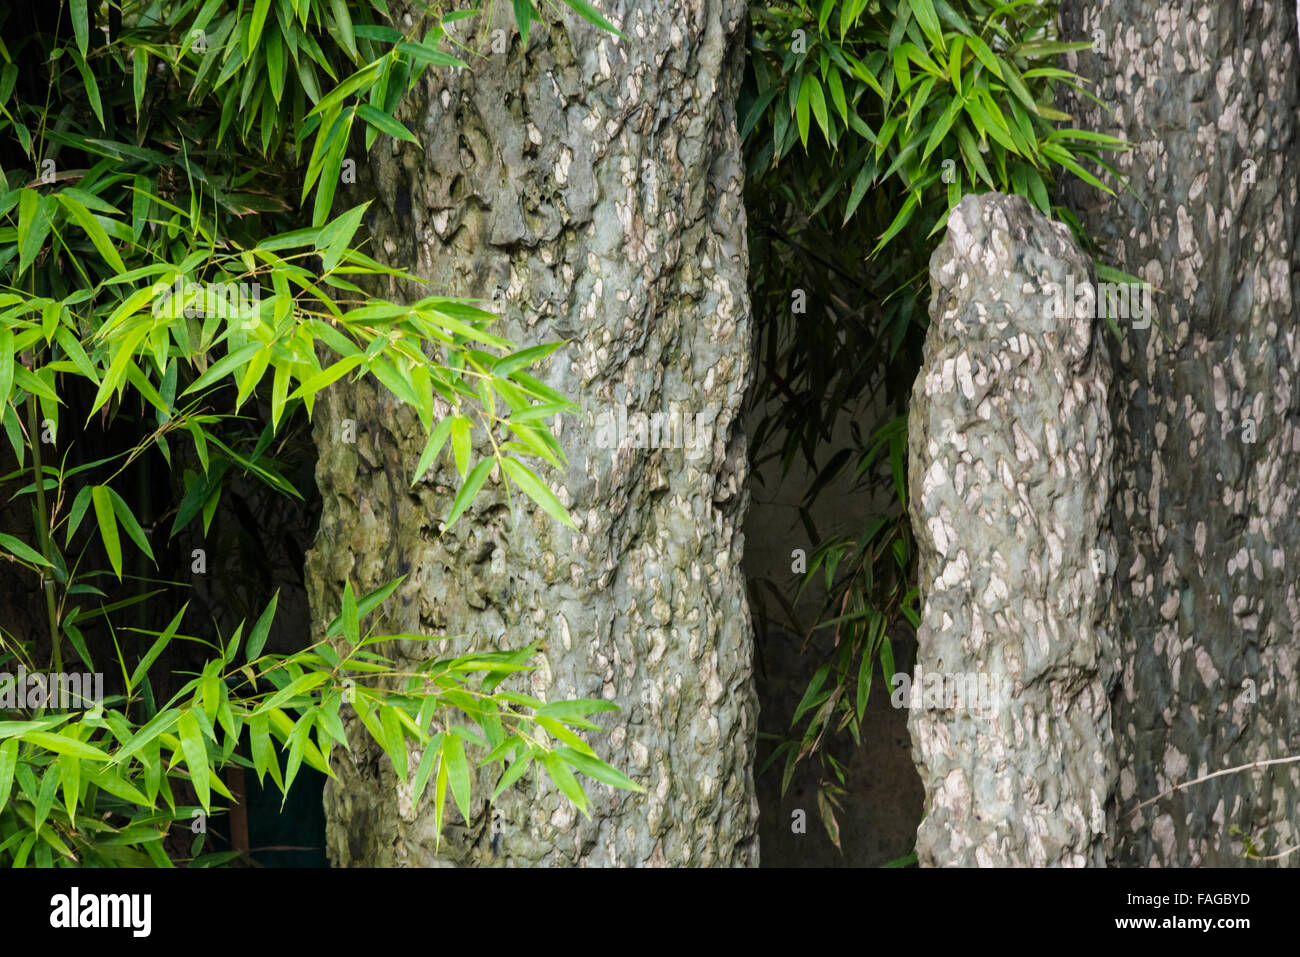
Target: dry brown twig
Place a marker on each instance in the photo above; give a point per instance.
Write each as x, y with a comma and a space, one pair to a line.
1214, 774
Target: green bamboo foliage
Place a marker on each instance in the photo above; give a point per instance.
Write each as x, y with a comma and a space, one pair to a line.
154, 282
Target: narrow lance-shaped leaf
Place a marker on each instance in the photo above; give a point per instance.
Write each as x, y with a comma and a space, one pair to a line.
559, 772
467, 491
80, 23
196, 757
431, 449
35, 216
128, 522
91, 226
458, 773
161, 642
105, 515
22, 550
257, 637
8, 761
537, 490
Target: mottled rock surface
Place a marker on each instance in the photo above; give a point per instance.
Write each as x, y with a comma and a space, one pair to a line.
1009, 476
1207, 416
591, 187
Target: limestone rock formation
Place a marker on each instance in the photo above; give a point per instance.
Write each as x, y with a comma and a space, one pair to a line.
1206, 408
1009, 478
591, 187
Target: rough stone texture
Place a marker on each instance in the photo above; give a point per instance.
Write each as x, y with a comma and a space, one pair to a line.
592, 188
1009, 461
1207, 529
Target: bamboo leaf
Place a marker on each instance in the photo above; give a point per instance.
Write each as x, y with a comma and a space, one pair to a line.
62, 743
35, 216
105, 515
432, 751
929, 21
8, 761
385, 123
161, 642
592, 15
559, 772
460, 443
598, 770
458, 773
343, 24
260, 9
537, 490
513, 773
802, 107
467, 491
941, 128
129, 523
86, 220
437, 439
91, 87
818, 100
196, 757
981, 50
261, 629
22, 550
351, 617
80, 23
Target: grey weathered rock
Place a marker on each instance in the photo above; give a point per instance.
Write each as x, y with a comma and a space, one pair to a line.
1009, 474
1207, 420
592, 188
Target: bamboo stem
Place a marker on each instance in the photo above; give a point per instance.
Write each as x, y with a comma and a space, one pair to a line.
47, 579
